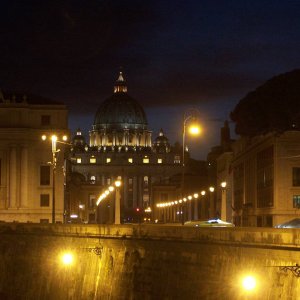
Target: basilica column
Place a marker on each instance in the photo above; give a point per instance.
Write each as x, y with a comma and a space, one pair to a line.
114, 137
149, 139
124, 143
98, 142
13, 178
134, 139
24, 176
143, 140
135, 191
103, 139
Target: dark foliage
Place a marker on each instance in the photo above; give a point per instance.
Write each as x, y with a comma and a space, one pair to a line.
272, 107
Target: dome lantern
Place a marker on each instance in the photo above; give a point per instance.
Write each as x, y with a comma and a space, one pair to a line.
161, 144
120, 86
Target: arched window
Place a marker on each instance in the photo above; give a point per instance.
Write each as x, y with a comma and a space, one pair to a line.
93, 179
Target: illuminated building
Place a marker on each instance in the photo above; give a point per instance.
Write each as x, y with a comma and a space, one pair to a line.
120, 144
26, 182
266, 165
266, 179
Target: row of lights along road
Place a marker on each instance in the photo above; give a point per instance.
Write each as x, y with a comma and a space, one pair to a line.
190, 197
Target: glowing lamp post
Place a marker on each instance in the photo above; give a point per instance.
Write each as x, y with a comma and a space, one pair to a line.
223, 201
67, 259
211, 202
249, 283
54, 140
190, 122
203, 205
118, 202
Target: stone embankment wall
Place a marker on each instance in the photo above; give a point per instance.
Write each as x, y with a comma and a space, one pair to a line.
146, 262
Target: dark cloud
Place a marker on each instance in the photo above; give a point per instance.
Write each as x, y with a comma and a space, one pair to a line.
65, 40
173, 53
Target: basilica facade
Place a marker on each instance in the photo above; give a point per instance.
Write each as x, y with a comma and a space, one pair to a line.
120, 146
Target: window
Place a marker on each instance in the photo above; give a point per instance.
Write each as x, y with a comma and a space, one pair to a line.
130, 185
92, 160
78, 160
108, 181
130, 160
264, 221
92, 201
92, 217
44, 175
159, 161
296, 201
269, 221
93, 179
264, 175
146, 180
177, 159
296, 176
45, 120
259, 221
44, 200
146, 160
108, 160
238, 186
146, 199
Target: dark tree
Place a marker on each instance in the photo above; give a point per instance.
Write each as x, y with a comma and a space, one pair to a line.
272, 107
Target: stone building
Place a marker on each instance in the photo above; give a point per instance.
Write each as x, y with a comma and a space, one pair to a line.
266, 179
218, 164
266, 164
120, 145
26, 182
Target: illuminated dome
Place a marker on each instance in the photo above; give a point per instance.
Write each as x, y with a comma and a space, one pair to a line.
121, 122
161, 144
120, 111
78, 139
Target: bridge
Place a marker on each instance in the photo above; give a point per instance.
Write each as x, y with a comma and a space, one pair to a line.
146, 262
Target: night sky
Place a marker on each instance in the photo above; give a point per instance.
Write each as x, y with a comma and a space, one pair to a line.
174, 54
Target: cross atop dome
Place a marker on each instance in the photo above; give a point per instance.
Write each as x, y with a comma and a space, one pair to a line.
161, 132
120, 86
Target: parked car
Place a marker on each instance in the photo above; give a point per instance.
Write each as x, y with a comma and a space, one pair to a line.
75, 221
209, 223
294, 223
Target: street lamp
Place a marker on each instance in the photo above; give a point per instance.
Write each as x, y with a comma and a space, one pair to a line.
54, 140
203, 205
249, 283
67, 258
211, 202
190, 122
223, 201
118, 202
